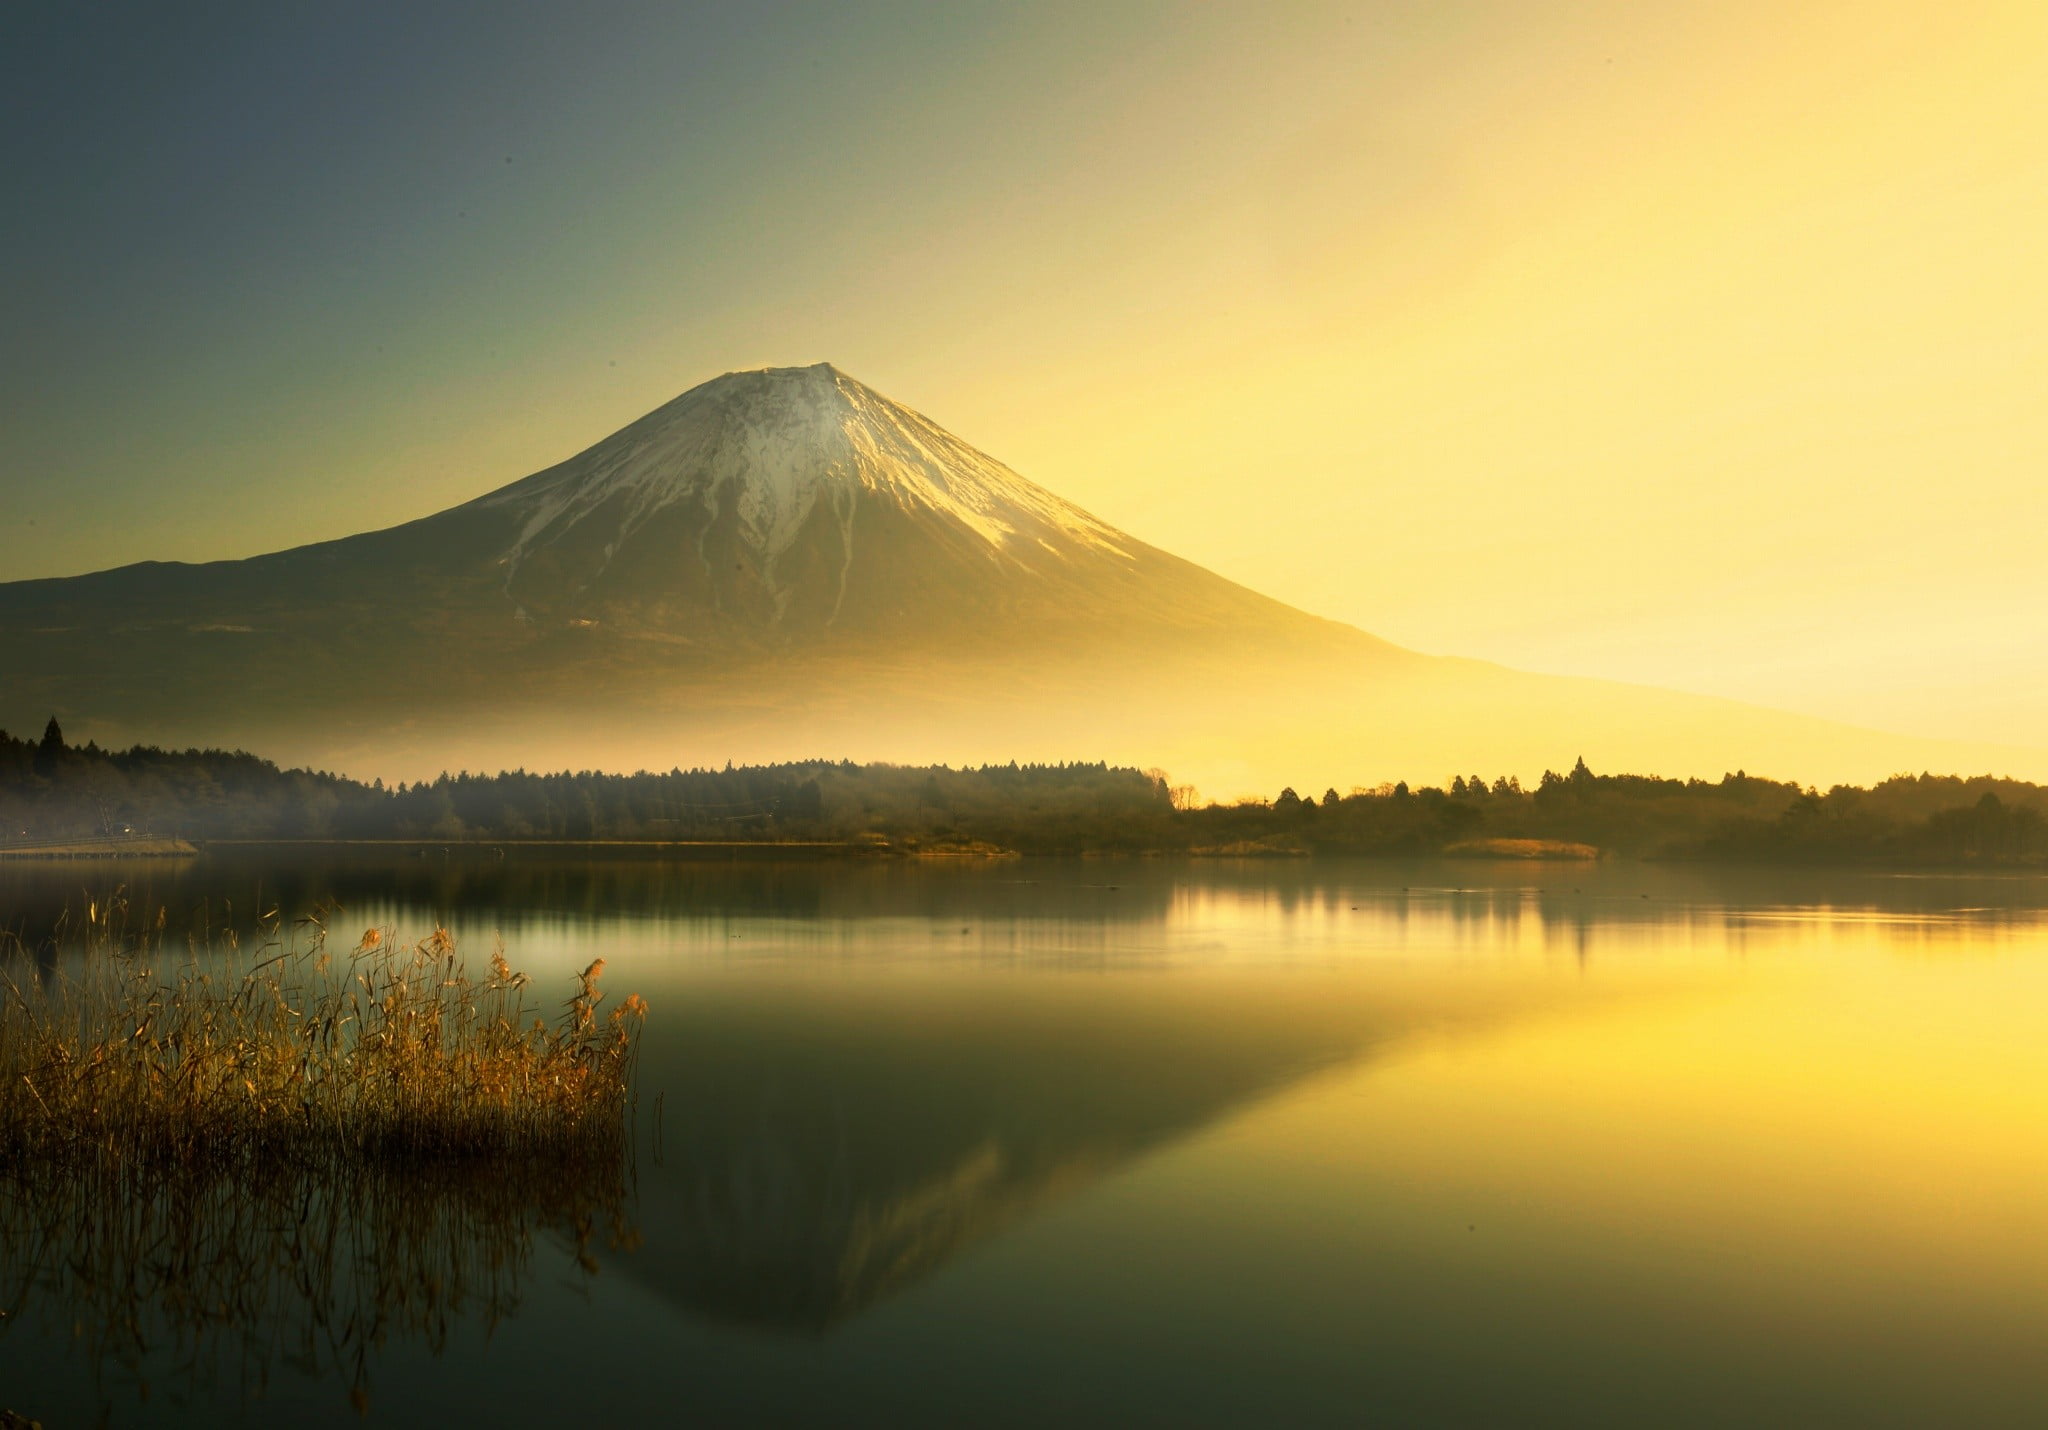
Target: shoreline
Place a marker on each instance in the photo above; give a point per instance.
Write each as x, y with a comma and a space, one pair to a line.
1522, 852
116, 847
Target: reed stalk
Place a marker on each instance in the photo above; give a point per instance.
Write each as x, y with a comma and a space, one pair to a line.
277, 1151
115, 1047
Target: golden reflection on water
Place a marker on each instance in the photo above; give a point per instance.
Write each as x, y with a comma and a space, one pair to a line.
1800, 1181
1457, 1144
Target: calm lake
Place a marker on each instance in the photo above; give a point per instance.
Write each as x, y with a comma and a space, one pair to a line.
1176, 1143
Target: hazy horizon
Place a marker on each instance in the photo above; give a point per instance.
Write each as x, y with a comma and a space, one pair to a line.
1682, 349
785, 564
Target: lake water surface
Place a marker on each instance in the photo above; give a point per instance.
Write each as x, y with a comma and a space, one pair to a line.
1186, 1143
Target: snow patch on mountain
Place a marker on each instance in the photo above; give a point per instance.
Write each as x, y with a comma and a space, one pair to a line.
770, 445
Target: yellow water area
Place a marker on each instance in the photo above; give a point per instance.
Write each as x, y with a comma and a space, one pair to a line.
1286, 1142
1809, 1136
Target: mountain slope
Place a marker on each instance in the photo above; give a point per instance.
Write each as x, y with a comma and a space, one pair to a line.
784, 562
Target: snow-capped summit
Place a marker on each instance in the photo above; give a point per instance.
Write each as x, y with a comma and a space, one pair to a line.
746, 469
793, 499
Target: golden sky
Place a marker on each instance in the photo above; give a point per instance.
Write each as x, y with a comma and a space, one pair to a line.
1692, 344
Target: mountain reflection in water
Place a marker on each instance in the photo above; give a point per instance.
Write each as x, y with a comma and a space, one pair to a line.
1227, 1143
816, 1150
825, 1147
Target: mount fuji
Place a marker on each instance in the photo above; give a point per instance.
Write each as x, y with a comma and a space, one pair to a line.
796, 507
783, 563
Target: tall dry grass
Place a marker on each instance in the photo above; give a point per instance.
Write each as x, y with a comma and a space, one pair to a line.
266, 1149
117, 1046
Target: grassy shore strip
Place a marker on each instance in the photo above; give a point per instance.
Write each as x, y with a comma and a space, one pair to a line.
119, 847
118, 1049
1521, 849
794, 849
468, 842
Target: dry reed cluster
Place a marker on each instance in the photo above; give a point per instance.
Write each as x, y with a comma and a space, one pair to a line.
214, 1157
116, 1049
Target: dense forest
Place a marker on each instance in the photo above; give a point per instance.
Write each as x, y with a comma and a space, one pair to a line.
52, 791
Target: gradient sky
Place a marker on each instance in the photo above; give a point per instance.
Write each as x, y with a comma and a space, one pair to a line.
1699, 345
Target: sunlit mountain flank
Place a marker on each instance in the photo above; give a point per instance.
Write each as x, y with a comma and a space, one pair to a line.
784, 563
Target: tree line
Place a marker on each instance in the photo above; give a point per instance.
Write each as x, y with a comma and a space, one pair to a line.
1907, 819
50, 791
